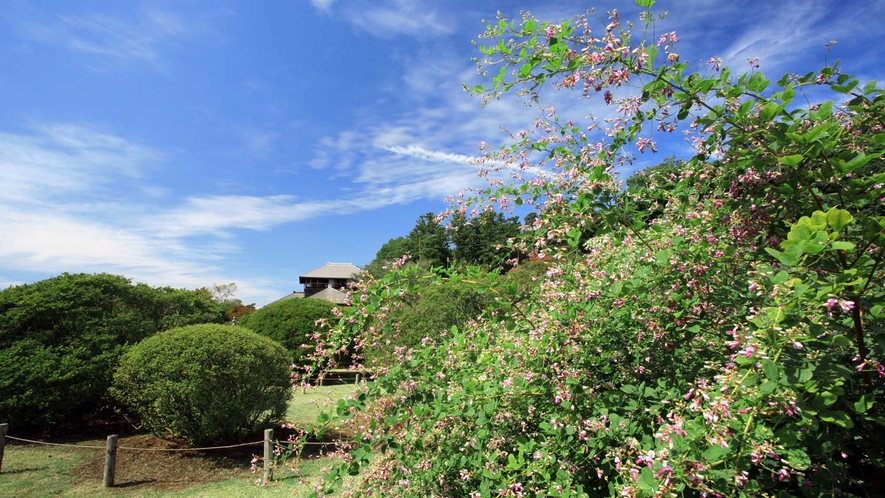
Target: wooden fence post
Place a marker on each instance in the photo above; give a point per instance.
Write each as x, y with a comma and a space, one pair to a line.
110, 462
3, 429
268, 456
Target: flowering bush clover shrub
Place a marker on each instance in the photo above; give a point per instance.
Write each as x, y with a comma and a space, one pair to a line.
728, 345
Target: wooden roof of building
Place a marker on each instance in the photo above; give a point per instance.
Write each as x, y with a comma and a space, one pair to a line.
332, 270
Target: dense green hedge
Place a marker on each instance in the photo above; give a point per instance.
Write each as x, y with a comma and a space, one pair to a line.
292, 323
431, 312
204, 382
60, 340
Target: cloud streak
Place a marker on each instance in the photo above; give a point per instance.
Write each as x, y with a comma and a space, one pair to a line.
107, 40
323, 6
390, 18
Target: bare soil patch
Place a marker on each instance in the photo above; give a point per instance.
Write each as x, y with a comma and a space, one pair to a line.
146, 467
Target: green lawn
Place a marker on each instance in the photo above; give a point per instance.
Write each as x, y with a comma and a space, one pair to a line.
31, 471
305, 408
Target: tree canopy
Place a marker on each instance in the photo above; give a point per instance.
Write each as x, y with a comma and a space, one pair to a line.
60, 340
481, 240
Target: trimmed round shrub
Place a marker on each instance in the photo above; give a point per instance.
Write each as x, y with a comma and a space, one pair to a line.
205, 382
292, 323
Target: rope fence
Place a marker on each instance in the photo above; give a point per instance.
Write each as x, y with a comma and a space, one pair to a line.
111, 450
84, 446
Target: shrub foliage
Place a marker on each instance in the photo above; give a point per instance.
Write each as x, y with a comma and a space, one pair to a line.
429, 313
204, 382
292, 323
716, 329
60, 340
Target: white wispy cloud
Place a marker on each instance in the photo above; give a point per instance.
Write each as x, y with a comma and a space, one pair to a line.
64, 159
435, 156
107, 40
322, 5
389, 18
336, 152
785, 36
219, 214
259, 142
67, 208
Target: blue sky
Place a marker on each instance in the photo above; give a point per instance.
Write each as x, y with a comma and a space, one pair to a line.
196, 142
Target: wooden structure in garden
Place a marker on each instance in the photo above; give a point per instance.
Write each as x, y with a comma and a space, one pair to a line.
326, 282
334, 276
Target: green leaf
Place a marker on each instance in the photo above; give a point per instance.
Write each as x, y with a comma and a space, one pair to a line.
768, 111
797, 459
714, 453
647, 481
841, 341
838, 218
791, 160
769, 368
525, 70
839, 418
489, 408
818, 220
842, 245
800, 231
652, 52
645, 3
789, 258
806, 374
662, 258
864, 403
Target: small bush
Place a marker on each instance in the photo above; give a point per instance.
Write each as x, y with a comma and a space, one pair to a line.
204, 382
292, 323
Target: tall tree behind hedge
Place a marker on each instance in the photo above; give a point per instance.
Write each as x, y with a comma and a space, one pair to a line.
429, 242
60, 340
483, 239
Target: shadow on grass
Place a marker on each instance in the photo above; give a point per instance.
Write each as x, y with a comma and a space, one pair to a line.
25, 470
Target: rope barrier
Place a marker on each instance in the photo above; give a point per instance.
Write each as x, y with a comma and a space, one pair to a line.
55, 444
192, 449
132, 448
